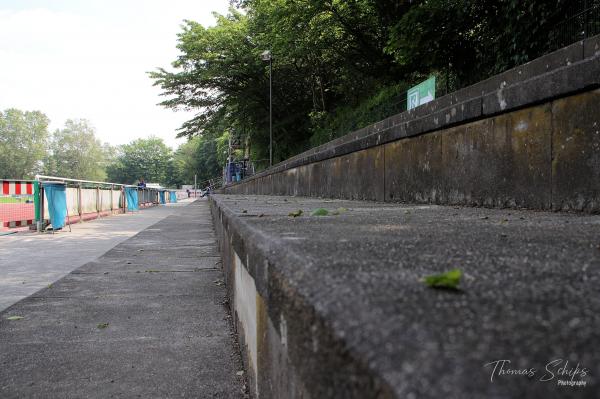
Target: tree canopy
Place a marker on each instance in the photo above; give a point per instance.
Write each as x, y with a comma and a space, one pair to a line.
146, 159
23, 138
76, 153
340, 64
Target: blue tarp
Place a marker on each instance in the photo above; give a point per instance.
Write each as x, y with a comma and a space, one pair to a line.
56, 194
162, 197
132, 198
172, 196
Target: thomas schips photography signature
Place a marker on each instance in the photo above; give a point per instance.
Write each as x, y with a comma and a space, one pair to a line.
564, 372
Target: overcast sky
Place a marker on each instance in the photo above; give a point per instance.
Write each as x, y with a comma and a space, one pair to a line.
89, 58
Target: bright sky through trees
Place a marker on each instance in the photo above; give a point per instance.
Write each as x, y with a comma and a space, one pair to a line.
88, 59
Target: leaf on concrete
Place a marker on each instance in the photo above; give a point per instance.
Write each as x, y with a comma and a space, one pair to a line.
448, 280
320, 212
102, 325
295, 214
14, 318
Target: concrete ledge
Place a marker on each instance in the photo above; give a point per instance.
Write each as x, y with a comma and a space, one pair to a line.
540, 157
333, 307
568, 76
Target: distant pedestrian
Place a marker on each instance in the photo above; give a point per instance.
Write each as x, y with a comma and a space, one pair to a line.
188, 192
142, 183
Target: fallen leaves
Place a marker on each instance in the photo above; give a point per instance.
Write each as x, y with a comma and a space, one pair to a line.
102, 326
320, 212
295, 214
14, 318
447, 280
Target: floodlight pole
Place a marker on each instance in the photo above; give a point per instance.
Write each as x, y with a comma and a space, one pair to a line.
270, 111
266, 56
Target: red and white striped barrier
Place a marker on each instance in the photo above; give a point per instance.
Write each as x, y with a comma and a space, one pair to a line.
18, 223
10, 187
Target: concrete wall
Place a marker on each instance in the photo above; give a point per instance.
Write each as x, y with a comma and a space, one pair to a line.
285, 345
526, 138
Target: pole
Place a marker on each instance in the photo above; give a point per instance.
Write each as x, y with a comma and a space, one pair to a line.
195, 185
41, 209
585, 23
271, 111
79, 207
37, 202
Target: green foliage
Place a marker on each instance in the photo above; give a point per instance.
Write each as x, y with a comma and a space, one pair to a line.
339, 65
76, 153
324, 54
142, 158
473, 40
23, 141
344, 119
320, 212
448, 280
200, 156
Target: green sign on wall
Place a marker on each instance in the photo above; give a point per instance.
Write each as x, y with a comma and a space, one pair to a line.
421, 93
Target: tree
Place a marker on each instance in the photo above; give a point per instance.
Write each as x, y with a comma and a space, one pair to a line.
142, 158
76, 153
202, 157
23, 143
473, 40
334, 56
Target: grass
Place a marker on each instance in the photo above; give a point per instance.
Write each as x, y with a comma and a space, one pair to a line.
15, 200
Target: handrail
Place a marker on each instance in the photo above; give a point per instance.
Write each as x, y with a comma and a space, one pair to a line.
63, 179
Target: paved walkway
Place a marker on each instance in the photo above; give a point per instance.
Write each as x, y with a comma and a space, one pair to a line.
31, 261
147, 319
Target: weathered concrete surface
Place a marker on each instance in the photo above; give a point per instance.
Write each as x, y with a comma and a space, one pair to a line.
414, 171
498, 162
543, 157
31, 261
168, 333
342, 313
576, 153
